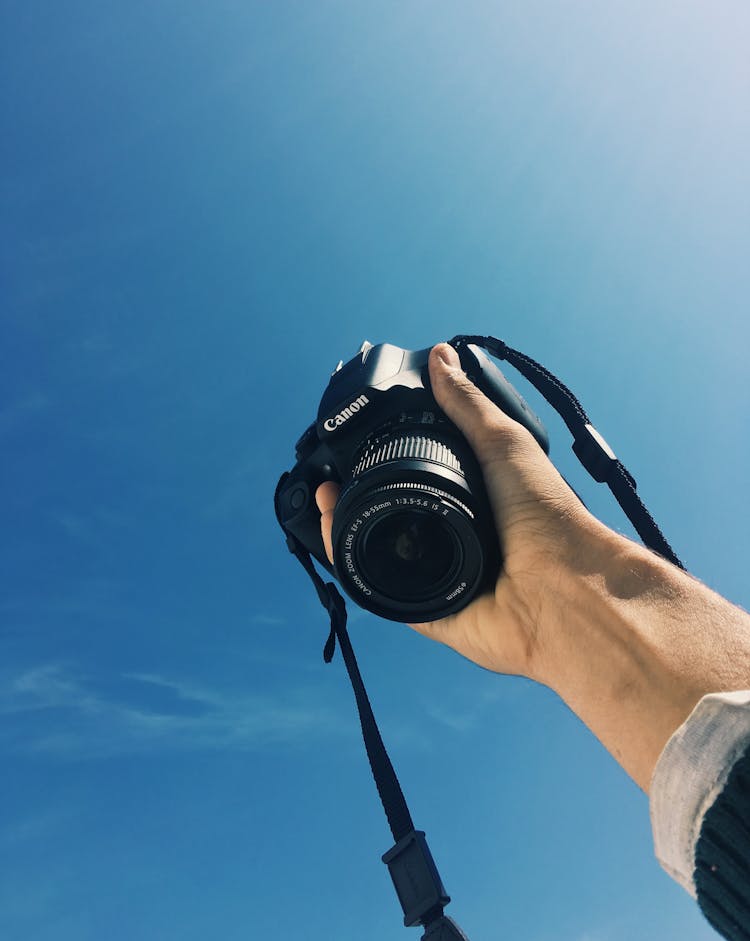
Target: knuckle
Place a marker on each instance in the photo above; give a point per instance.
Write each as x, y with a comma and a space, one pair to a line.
504, 439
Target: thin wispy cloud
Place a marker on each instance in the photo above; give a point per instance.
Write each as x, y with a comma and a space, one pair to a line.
53, 710
93, 526
17, 413
98, 597
463, 711
36, 828
266, 619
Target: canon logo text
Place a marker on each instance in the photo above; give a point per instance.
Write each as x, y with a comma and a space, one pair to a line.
331, 424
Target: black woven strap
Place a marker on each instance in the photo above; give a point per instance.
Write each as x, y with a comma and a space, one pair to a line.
589, 446
415, 876
386, 781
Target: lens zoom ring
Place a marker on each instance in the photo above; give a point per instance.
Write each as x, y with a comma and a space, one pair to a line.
403, 447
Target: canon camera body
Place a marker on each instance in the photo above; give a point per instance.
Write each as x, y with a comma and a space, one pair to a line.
413, 534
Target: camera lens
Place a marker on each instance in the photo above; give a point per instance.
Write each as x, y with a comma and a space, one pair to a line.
409, 555
412, 533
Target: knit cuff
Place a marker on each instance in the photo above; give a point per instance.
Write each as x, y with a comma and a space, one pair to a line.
722, 857
690, 774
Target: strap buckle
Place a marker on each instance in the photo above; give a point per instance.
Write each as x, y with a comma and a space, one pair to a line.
416, 879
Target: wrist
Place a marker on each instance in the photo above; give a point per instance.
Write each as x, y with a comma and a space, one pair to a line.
573, 599
608, 643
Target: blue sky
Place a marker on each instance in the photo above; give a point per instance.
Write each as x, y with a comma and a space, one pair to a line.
203, 208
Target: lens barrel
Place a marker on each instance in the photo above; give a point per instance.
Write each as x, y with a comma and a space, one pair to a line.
412, 533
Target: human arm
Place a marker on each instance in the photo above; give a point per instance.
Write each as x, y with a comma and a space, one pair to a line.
630, 642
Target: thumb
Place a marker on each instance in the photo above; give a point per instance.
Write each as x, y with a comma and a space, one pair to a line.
486, 428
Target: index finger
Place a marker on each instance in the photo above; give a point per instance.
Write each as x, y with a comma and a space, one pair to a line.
326, 496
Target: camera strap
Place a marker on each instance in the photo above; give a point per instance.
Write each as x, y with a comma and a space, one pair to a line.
588, 445
410, 863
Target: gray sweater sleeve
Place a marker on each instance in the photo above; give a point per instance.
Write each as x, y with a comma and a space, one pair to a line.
700, 810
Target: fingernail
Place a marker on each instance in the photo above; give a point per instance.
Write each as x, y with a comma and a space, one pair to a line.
448, 355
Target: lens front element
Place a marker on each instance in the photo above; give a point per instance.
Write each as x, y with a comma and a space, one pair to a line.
408, 551
409, 554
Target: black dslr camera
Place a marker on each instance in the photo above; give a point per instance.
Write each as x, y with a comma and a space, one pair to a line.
413, 534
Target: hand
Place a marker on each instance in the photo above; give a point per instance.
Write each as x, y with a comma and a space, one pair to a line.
629, 641
540, 522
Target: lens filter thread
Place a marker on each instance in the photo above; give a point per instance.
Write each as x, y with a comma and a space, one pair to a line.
408, 552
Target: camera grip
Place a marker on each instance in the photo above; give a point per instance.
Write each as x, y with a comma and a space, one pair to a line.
488, 379
298, 514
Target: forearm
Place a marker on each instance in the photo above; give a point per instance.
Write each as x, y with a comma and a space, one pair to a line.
632, 643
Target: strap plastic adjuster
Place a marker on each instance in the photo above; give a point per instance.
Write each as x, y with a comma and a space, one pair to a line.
416, 879
595, 454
